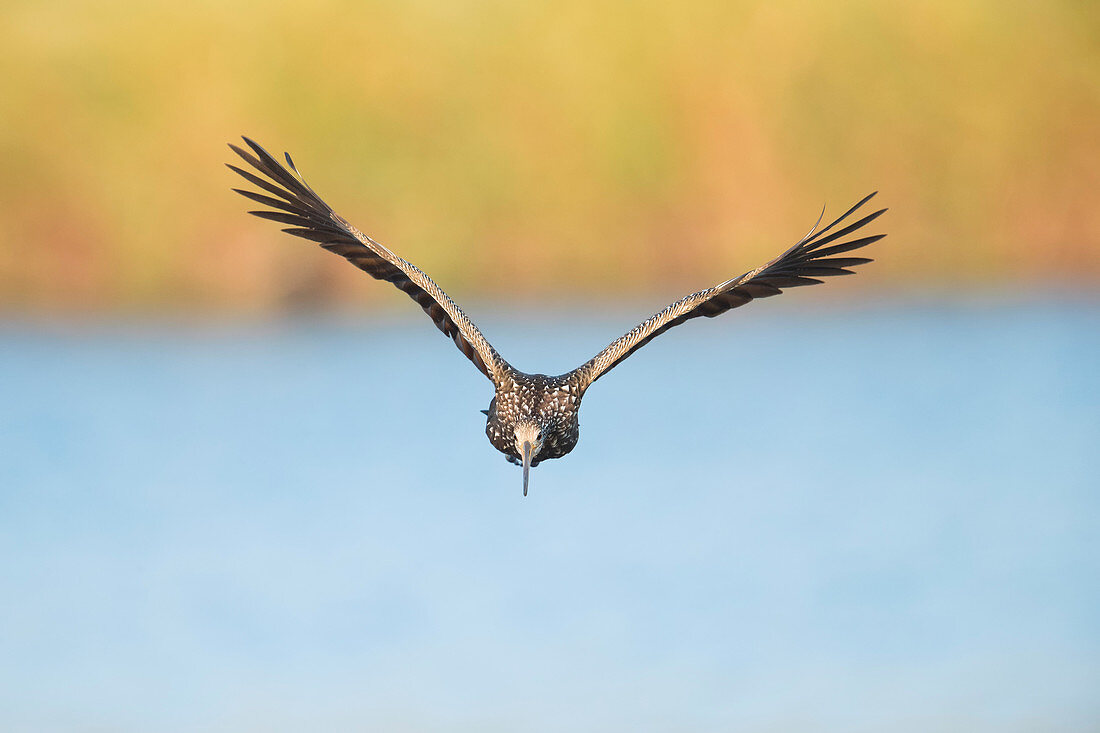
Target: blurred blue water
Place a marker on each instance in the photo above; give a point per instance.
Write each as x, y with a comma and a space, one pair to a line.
859, 519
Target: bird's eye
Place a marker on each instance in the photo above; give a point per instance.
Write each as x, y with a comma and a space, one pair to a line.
538, 436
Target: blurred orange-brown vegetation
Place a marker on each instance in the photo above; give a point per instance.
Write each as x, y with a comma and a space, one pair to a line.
541, 149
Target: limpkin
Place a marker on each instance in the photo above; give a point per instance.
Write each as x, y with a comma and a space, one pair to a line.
533, 417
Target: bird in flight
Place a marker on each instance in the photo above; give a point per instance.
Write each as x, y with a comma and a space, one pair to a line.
534, 417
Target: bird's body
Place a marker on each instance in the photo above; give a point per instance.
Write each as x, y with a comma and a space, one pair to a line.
552, 403
534, 417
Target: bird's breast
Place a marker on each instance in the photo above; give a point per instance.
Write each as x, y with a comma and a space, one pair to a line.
550, 402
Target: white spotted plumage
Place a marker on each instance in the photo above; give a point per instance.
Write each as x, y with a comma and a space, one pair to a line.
522, 401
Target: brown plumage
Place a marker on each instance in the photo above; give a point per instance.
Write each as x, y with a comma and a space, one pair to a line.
534, 417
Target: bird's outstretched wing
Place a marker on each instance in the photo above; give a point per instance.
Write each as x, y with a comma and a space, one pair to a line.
812, 257
296, 204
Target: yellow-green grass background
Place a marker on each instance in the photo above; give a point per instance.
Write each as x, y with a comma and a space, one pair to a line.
541, 150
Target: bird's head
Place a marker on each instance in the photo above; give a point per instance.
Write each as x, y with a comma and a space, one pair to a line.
529, 436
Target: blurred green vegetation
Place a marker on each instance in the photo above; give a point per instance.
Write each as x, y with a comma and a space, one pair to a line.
541, 149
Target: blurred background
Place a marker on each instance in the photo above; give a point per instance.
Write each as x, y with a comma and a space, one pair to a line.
245, 487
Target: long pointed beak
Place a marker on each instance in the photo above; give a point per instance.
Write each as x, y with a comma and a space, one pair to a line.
526, 463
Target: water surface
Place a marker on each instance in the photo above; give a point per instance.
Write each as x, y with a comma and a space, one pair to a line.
865, 518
